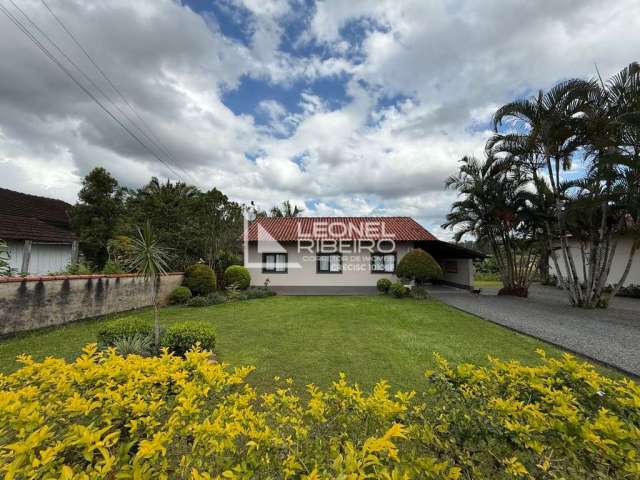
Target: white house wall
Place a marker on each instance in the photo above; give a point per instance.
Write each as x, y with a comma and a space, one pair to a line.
355, 272
45, 257
617, 267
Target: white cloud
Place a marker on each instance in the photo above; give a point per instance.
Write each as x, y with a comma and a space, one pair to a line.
452, 64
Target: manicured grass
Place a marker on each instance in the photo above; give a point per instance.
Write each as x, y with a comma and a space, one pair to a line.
313, 339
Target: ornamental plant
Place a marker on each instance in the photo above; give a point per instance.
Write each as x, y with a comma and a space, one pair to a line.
200, 279
179, 296
238, 275
106, 416
383, 285
419, 266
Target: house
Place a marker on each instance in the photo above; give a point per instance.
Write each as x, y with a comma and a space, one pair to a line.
37, 231
343, 254
620, 260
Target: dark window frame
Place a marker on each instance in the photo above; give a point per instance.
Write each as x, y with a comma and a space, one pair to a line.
383, 271
286, 263
323, 272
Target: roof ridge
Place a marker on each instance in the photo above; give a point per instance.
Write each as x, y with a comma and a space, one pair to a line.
35, 196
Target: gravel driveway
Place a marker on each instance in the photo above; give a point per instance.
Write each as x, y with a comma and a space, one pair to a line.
609, 336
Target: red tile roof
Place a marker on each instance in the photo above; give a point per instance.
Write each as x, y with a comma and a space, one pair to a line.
29, 217
339, 228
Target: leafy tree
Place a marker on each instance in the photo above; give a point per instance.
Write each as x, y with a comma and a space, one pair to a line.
95, 217
287, 209
150, 261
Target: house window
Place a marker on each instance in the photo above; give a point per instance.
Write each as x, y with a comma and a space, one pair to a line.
274, 263
329, 263
383, 263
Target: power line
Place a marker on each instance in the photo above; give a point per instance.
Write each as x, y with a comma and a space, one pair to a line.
60, 65
154, 139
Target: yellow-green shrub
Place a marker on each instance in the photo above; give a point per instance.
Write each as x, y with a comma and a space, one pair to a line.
105, 416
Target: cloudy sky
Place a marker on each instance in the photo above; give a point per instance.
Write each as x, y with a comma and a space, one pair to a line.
348, 107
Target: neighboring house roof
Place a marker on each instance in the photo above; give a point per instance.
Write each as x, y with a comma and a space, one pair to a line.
342, 228
29, 217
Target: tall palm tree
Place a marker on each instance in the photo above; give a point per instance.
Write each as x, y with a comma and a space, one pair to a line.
286, 210
543, 136
149, 259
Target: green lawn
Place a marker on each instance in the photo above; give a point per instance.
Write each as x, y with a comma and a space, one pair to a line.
487, 283
312, 339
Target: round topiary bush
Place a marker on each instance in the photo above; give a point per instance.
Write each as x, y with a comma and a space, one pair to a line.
200, 279
238, 275
383, 285
398, 290
419, 266
181, 337
180, 296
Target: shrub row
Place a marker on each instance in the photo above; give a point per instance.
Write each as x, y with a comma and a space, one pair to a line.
105, 416
135, 335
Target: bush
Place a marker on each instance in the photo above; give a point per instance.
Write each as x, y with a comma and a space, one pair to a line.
112, 330
259, 292
238, 275
136, 344
180, 296
383, 285
632, 291
419, 266
216, 298
200, 279
398, 290
181, 337
198, 301
419, 292
112, 268
106, 416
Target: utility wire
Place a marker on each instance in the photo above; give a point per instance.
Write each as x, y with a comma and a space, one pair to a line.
152, 137
62, 67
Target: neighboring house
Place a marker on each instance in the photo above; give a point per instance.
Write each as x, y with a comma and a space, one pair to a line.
617, 267
38, 232
344, 254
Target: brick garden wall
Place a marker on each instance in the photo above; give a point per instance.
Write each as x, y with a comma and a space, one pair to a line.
30, 303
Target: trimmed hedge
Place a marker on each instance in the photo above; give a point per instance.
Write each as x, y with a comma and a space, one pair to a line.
198, 301
179, 296
106, 416
237, 275
200, 279
419, 266
112, 330
383, 285
181, 337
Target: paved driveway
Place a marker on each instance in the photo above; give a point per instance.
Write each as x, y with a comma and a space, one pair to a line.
610, 336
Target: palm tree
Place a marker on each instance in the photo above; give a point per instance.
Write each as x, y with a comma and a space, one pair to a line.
495, 207
149, 259
286, 210
598, 120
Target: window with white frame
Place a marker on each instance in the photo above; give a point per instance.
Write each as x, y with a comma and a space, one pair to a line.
383, 263
274, 263
329, 263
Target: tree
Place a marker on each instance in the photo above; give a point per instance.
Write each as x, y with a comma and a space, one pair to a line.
286, 210
595, 122
149, 259
95, 217
494, 206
